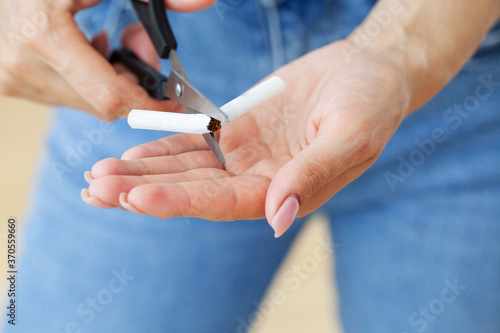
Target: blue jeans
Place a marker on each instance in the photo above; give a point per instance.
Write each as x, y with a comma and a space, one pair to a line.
417, 236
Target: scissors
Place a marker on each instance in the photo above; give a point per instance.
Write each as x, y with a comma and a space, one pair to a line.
176, 86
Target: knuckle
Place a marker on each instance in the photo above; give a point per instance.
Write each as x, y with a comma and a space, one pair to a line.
363, 139
366, 149
361, 124
366, 144
316, 176
109, 102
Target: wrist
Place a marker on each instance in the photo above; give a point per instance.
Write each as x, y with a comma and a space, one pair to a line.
427, 40
410, 54
393, 52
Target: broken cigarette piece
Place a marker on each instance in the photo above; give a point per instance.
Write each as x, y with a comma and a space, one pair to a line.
196, 123
252, 98
200, 123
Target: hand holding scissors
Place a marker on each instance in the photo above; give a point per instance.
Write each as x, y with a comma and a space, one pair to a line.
176, 86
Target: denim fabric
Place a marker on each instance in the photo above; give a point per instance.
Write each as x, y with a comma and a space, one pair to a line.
403, 242
417, 236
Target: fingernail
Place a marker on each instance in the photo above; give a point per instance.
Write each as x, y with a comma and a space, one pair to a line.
285, 216
127, 205
85, 194
88, 177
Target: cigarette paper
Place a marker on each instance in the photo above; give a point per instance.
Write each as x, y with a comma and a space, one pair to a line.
253, 98
201, 123
169, 121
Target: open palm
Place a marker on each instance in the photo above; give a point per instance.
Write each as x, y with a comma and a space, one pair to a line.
299, 149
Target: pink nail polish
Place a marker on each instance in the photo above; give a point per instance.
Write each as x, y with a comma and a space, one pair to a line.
127, 205
286, 215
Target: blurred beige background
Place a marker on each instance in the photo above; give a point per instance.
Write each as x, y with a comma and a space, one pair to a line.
293, 304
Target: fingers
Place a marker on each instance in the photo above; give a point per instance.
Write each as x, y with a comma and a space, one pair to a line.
206, 193
308, 174
289, 209
94, 201
111, 177
107, 189
57, 65
155, 165
23, 75
87, 71
223, 199
64, 48
170, 145
45, 91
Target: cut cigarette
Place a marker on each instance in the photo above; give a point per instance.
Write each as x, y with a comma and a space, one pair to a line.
169, 121
252, 98
201, 123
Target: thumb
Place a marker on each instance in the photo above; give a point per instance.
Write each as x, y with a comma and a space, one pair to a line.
298, 180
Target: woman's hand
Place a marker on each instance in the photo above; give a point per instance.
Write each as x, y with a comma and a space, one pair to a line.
342, 104
290, 154
45, 58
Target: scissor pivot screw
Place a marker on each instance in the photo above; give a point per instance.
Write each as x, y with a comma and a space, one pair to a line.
179, 90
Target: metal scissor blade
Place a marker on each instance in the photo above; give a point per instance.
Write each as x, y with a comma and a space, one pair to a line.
212, 142
214, 147
177, 65
179, 89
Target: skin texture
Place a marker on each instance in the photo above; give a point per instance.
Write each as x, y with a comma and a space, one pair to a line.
285, 158
268, 151
46, 58
341, 105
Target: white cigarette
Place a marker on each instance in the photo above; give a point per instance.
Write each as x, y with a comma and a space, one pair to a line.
201, 123
169, 121
252, 98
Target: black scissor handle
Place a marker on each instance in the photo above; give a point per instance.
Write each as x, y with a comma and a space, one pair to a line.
154, 18
149, 78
